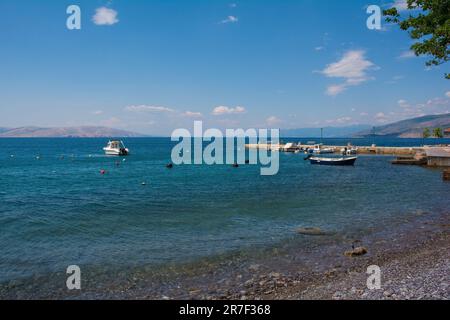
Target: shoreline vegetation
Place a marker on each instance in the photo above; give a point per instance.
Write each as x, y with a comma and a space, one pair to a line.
414, 258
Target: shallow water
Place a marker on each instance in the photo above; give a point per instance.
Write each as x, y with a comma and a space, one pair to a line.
56, 211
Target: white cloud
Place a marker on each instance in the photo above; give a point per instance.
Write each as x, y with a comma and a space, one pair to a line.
401, 5
447, 94
222, 110
273, 121
319, 48
381, 117
105, 17
191, 114
394, 79
341, 120
403, 103
147, 108
233, 5
407, 55
438, 105
230, 19
335, 89
352, 67
97, 112
437, 102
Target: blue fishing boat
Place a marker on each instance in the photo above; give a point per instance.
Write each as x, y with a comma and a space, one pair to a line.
343, 161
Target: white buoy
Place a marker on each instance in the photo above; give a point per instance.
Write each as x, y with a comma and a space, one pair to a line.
143, 183
12, 156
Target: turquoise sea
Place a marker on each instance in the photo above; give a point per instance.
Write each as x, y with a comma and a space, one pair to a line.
56, 209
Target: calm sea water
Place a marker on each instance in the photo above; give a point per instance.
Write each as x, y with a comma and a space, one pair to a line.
59, 210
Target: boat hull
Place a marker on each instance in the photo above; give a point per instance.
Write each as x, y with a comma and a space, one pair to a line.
333, 161
115, 152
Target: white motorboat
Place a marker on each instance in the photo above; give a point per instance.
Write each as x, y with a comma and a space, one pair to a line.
116, 148
319, 149
289, 147
349, 151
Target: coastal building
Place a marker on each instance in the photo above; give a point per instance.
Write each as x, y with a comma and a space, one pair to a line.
447, 133
438, 156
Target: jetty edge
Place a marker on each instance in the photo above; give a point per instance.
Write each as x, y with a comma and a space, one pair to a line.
361, 149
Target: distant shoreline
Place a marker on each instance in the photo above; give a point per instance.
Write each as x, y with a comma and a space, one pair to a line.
316, 139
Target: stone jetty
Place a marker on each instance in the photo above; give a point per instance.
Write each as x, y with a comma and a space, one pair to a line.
395, 151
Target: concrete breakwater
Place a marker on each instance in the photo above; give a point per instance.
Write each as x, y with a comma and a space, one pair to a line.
394, 151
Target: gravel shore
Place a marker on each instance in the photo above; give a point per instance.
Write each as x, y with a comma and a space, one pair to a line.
414, 266
420, 273
414, 260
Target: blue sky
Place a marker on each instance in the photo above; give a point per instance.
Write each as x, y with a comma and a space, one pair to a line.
152, 66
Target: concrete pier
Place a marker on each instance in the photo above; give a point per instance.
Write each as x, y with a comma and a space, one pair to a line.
394, 151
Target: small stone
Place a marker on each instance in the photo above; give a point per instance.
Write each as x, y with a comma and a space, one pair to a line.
248, 283
274, 275
359, 251
387, 293
254, 267
193, 292
311, 231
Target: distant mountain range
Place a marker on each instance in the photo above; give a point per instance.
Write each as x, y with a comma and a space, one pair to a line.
66, 132
328, 132
411, 128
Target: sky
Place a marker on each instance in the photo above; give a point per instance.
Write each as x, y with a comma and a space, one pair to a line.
153, 66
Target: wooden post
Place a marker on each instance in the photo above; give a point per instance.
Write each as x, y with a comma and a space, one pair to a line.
446, 175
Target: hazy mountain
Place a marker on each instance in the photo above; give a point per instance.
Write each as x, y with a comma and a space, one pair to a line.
4, 129
328, 132
65, 132
411, 128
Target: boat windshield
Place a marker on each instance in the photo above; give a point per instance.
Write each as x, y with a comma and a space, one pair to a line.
114, 144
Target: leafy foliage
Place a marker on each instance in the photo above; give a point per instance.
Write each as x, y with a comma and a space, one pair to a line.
437, 133
429, 23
